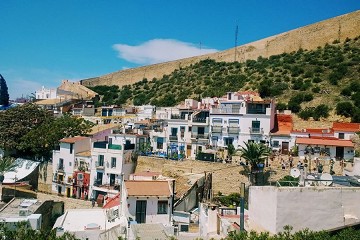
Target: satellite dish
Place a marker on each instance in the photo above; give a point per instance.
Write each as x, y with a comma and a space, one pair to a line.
295, 173
309, 181
326, 179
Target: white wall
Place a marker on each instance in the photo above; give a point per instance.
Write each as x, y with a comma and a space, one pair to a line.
151, 209
316, 208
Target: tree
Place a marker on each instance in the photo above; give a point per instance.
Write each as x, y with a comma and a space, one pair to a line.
42, 140
32, 131
345, 109
4, 95
17, 122
255, 154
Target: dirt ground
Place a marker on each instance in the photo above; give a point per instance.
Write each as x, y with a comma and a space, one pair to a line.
226, 176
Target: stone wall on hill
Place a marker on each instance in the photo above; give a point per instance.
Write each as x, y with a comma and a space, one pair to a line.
308, 37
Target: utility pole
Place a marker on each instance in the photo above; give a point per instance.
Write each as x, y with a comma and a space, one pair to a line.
242, 206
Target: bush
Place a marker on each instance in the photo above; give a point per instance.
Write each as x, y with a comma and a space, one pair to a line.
294, 106
345, 109
321, 111
306, 113
281, 106
315, 89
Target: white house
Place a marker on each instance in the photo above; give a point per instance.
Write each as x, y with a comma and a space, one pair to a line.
325, 148
45, 93
280, 136
112, 162
64, 163
345, 130
145, 112
148, 201
241, 117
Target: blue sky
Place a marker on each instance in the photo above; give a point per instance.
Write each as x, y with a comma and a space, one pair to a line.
44, 41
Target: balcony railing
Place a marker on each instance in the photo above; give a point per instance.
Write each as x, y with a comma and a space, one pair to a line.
97, 182
199, 120
99, 165
173, 138
200, 136
60, 167
100, 145
114, 146
216, 129
225, 111
233, 130
256, 130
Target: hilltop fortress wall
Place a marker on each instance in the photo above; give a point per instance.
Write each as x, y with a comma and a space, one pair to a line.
308, 37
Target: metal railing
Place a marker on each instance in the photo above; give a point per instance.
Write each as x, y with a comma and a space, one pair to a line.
256, 130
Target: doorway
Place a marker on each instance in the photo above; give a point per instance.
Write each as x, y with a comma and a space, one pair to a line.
339, 152
140, 211
285, 147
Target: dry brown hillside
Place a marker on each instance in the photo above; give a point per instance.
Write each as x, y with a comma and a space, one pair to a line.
308, 37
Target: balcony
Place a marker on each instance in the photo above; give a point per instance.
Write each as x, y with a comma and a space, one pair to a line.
233, 130
199, 120
100, 145
200, 136
173, 138
97, 182
225, 111
216, 129
114, 146
60, 167
99, 165
256, 131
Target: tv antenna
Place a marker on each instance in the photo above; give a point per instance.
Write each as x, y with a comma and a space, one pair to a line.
295, 173
236, 39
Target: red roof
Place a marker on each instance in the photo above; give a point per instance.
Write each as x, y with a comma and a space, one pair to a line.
283, 124
346, 127
324, 141
148, 188
113, 202
73, 139
314, 130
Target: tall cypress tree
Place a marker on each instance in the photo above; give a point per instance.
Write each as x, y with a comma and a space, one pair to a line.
4, 95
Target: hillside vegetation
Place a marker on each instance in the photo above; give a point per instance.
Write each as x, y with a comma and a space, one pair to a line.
310, 83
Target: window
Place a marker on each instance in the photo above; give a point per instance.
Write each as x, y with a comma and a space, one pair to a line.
70, 164
341, 135
162, 207
101, 160
233, 122
190, 128
113, 162
228, 141
159, 145
71, 148
182, 130
174, 131
276, 144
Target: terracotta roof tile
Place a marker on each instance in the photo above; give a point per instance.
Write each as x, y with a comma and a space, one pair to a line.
148, 188
325, 142
347, 127
113, 202
73, 139
283, 124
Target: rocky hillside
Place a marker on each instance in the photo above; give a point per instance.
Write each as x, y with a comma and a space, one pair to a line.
308, 37
315, 84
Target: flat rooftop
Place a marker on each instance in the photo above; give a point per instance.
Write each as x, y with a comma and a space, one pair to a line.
11, 210
75, 220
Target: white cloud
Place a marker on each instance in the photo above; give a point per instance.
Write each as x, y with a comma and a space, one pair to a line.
159, 50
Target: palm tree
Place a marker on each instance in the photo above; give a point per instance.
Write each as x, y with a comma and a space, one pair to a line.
6, 164
255, 154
